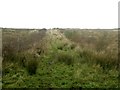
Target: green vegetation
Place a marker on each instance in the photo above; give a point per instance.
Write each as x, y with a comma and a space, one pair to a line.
60, 59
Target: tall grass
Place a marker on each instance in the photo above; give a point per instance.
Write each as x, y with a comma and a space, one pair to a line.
86, 59
98, 47
20, 41
20, 46
65, 57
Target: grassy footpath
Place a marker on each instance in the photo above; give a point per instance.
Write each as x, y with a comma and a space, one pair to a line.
61, 62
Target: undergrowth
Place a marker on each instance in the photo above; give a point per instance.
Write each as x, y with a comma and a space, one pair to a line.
76, 62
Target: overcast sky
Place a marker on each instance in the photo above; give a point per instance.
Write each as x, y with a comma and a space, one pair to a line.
59, 13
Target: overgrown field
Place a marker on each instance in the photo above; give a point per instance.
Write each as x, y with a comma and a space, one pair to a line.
60, 58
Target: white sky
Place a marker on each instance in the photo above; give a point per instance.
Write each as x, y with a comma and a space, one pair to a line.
59, 13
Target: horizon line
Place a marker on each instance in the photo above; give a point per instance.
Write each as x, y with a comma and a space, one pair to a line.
54, 28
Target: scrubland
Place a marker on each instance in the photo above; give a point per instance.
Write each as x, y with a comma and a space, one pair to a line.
60, 58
